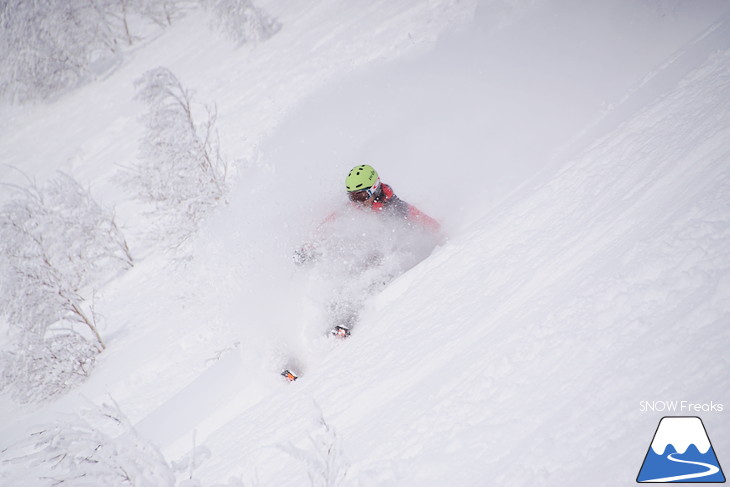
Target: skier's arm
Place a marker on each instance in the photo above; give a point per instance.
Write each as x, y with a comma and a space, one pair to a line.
309, 250
425, 221
412, 214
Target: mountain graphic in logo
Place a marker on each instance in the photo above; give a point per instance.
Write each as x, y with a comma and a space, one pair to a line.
681, 452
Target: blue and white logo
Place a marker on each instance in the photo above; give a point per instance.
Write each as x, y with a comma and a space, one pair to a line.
681, 452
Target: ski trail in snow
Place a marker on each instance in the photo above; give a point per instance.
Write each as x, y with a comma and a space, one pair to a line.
171, 420
711, 470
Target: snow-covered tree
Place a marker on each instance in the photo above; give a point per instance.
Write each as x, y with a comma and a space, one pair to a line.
242, 20
47, 46
126, 20
97, 447
56, 244
181, 170
38, 368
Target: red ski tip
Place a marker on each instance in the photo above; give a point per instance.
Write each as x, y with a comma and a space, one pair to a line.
289, 375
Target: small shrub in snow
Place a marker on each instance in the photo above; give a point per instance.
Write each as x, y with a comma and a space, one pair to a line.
325, 462
180, 171
56, 242
40, 368
95, 448
241, 20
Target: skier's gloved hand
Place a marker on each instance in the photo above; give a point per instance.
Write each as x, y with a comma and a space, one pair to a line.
307, 253
300, 257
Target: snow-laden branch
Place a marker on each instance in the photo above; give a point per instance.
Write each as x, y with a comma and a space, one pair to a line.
180, 167
96, 447
323, 456
56, 244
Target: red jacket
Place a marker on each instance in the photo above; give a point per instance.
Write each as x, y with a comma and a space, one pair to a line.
387, 201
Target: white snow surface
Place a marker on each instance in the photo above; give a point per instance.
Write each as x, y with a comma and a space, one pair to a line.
577, 154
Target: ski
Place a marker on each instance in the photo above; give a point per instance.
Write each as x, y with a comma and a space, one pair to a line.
340, 331
289, 375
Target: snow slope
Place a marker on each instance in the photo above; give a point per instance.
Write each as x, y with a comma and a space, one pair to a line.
577, 154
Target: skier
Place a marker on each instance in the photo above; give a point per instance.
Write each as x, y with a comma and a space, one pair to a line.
366, 191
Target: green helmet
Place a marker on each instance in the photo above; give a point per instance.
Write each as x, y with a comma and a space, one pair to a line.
361, 177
